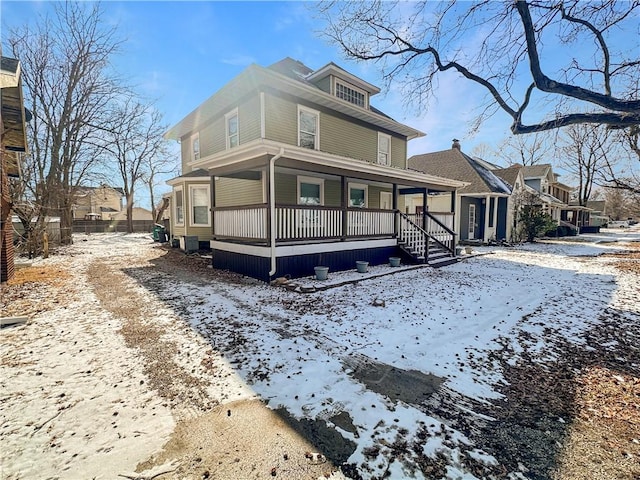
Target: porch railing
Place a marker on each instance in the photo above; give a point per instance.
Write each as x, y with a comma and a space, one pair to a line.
368, 223
248, 222
301, 222
436, 231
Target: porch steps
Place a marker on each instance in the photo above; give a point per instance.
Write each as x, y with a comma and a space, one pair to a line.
438, 257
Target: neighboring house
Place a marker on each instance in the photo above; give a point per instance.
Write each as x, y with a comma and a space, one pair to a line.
13, 144
541, 179
482, 205
98, 203
599, 215
555, 196
286, 168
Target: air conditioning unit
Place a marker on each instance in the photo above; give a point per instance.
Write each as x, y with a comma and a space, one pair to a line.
189, 243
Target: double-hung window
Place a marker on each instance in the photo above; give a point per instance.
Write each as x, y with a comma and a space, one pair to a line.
310, 191
195, 147
199, 199
308, 128
358, 195
384, 149
232, 129
179, 206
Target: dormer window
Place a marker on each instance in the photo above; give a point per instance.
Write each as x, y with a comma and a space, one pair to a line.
351, 94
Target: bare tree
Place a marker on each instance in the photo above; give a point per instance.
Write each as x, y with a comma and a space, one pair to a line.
134, 140
583, 153
158, 166
525, 149
67, 88
622, 164
495, 43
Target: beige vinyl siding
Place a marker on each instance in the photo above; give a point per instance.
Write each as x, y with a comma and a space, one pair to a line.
232, 192
249, 119
332, 193
185, 150
337, 135
286, 189
398, 153
281, 120
374, 195
340, 137
212, 138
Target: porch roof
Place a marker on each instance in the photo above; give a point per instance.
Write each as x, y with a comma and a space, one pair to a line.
256, 154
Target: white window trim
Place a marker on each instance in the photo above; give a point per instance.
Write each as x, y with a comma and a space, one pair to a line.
191, 219
175, 206
191, 152
228, 115
344, 83
360, 186
313, 180
388, 164
317, 114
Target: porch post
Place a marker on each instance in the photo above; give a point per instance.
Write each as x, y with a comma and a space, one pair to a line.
496, 201
424, 209
344, 201
213, 206
394, 206
487, 202
268, 201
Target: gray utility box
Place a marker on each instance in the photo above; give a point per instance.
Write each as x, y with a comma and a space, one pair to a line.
189, 243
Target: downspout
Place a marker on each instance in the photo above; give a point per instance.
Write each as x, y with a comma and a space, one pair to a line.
272, 210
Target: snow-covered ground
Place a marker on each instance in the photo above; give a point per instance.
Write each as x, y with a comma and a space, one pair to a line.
373, 352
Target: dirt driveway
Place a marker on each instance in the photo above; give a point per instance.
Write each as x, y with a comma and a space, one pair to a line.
141, 362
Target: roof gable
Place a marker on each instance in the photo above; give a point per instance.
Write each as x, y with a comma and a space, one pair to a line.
287, 75
456, 165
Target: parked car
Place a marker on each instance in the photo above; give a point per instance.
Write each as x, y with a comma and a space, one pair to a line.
618, 224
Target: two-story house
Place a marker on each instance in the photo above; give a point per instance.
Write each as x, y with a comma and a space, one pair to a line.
97, 203
286, 168
555, 197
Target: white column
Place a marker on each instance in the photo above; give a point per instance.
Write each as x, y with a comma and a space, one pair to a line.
485, 234
495, 216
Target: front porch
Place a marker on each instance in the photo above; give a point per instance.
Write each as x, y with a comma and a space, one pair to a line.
336, 237
318, 209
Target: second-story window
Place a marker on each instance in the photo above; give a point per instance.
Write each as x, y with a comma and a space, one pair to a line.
195, 147
308, 128
384, 149
233, 132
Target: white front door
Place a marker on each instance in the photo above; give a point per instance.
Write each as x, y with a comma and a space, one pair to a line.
472, 222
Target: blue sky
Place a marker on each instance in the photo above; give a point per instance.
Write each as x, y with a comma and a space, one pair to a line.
180, 53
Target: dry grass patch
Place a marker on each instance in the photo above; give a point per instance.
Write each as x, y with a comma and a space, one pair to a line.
604, 440
50, 275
